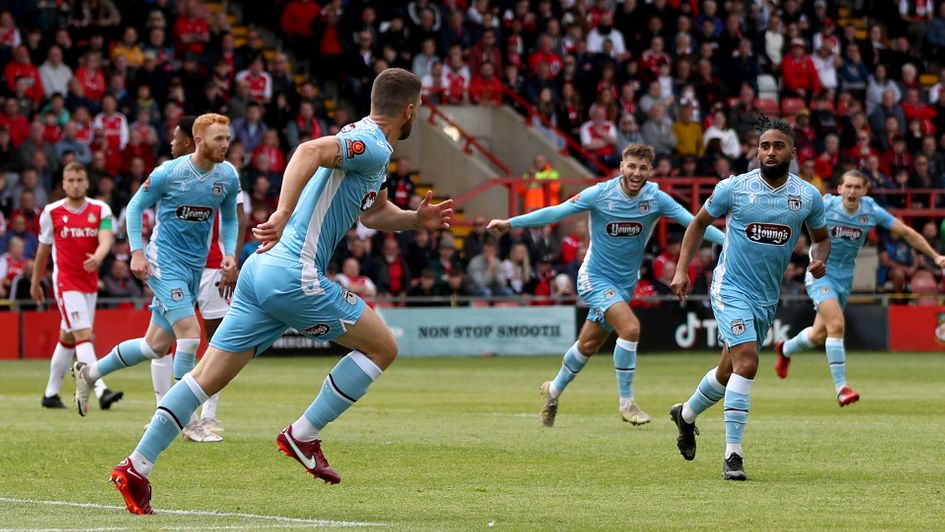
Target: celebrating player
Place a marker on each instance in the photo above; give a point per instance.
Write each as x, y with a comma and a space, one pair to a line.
189, 191
328, 183
78, 232
850, 217
216, 286
624, 211
765, 209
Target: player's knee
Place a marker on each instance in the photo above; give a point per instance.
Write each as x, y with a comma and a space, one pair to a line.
66, 338
835, 329
630, 332
588, 346
818, 336
81, 335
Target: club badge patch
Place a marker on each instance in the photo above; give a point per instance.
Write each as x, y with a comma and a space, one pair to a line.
609, 293
738, 327
864, 219
355, 147
74, 316
824, 290
217, 189
349, 297
92, 218
177, 294
368, 200
317, 330
794, 203
644, 207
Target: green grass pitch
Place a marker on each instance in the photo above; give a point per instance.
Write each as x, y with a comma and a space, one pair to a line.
456, 444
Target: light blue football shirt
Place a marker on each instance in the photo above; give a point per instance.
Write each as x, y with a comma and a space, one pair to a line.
848, 234
333, 199
186, 201
620, 226
762, 227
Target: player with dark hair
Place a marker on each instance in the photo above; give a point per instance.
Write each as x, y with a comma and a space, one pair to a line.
764, 209
188, 191
850, 217
328, 184
624, 211
77, 232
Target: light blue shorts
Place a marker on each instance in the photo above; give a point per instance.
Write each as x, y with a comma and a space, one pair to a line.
175, 293
600, 294
740, 320
825, 288
269, 299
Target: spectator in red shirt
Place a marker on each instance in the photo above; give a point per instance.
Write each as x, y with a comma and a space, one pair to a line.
23, 67
12, 263
485, 87
137, 147
91, 77
297, 19
28, 209
914, 108
544, 53
486, 51
456, 76
258, 80
14, 122
392, 272
798, 75
896, 157
190, 31
270, 150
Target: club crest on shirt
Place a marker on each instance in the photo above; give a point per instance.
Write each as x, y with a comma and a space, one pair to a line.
864, 219
74, 316
319, 329
368, 200
609, 293
65, 219
824, 290
177, 294
355, 147
644, 207
217, 189
349, 297
794, 203
92, 218
738, 327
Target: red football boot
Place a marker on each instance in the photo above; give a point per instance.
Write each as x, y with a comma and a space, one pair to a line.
782, 363
134, 488
309, 454
847, 396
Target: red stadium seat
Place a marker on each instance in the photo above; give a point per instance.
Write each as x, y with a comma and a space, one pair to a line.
768, 107
791, 106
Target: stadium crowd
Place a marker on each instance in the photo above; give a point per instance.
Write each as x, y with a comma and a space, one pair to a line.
87, 81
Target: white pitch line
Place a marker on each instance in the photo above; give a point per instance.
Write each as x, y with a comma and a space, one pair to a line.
110, 529
278, 518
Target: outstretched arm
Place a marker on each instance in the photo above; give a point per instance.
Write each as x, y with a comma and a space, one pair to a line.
683, 217
385, 216
914, 239
548, 215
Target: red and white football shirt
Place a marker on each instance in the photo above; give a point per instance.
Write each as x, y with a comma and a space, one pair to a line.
73, 235
215, 256
260, 87
115, 127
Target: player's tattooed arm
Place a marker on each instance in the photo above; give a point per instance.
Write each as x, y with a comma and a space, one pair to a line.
337, 160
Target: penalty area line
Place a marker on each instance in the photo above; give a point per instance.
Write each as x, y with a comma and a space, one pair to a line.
202, 513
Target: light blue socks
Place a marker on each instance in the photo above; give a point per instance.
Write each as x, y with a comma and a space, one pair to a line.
625, 364
837, 358
737, 403
572, 364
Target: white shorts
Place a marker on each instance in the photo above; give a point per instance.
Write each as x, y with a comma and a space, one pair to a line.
77, 310
211, 305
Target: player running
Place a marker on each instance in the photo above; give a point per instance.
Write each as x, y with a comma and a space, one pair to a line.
77, 231
764, 209
624, 211
216, 287
188, 192
850, 217
328, 184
